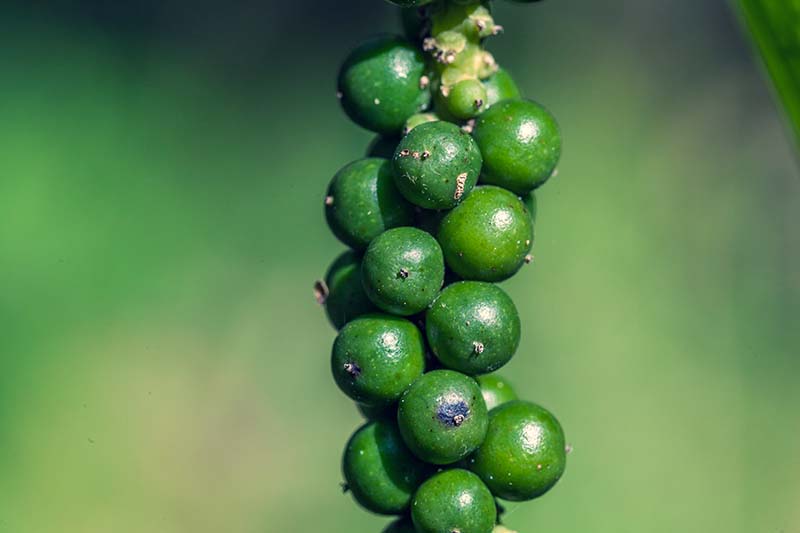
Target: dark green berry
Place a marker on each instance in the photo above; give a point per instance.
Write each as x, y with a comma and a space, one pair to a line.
403, 270
380, 472
343, 293
442, 417
496, 390
382, 83
530, 204
520, 142
401, 525
453, 501
500, 86
363, 202
466, 99
473, 327
524, 453
428, 219
436, 165
379, 412
376, 357
382, 146
488, 236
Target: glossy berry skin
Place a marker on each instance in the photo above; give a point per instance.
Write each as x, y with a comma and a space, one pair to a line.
524, 453
362, 202
500, 86
376, 357
403, 270
530, 204
496, 390
436, 165
402, 525
382, 146
346, 298
380, 84
442, 417
488, 236
473, 327
453, 500
380, 472
520, 142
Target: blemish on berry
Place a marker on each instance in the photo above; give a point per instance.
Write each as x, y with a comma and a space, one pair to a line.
403, 273
478, 347
329, 200
528, 259
424, 81
321, 291
461, 180
353, 369
453, 413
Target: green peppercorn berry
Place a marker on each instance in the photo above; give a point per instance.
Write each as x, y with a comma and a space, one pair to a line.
530, 204
436, 165
453, 501
363, 202
520, 142
466, 99
401, 525
496, 390
488, 236
500, 86
376, 357
442, 417
381, 84
524, 453
473, 327
382, 146
381, 473
403, 270
343, 293
415, 120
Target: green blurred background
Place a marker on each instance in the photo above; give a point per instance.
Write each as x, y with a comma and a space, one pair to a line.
164, 367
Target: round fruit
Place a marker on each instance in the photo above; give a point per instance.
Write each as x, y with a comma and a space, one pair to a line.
466, 99
524, 453
403, 270
379, 470
530, 204
382, 146
442, 417
402, 525
500, 86
473, 327
363, 202
345, 298
496, 390
380, 84
453, 501
520, 142
376, 357
436, 165
488, 236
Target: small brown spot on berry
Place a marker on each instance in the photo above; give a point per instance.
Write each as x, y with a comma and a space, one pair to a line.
403, 273
353, 369
478, 347
321, 292
528, 259
329, 200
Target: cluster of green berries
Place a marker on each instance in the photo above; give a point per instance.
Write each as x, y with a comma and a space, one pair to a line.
440, 209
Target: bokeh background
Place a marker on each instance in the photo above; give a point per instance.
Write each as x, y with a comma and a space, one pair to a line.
164, 367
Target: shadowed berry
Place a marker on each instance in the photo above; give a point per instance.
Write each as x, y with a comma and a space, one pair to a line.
344, 298
496, 390
381, 473
362, 202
